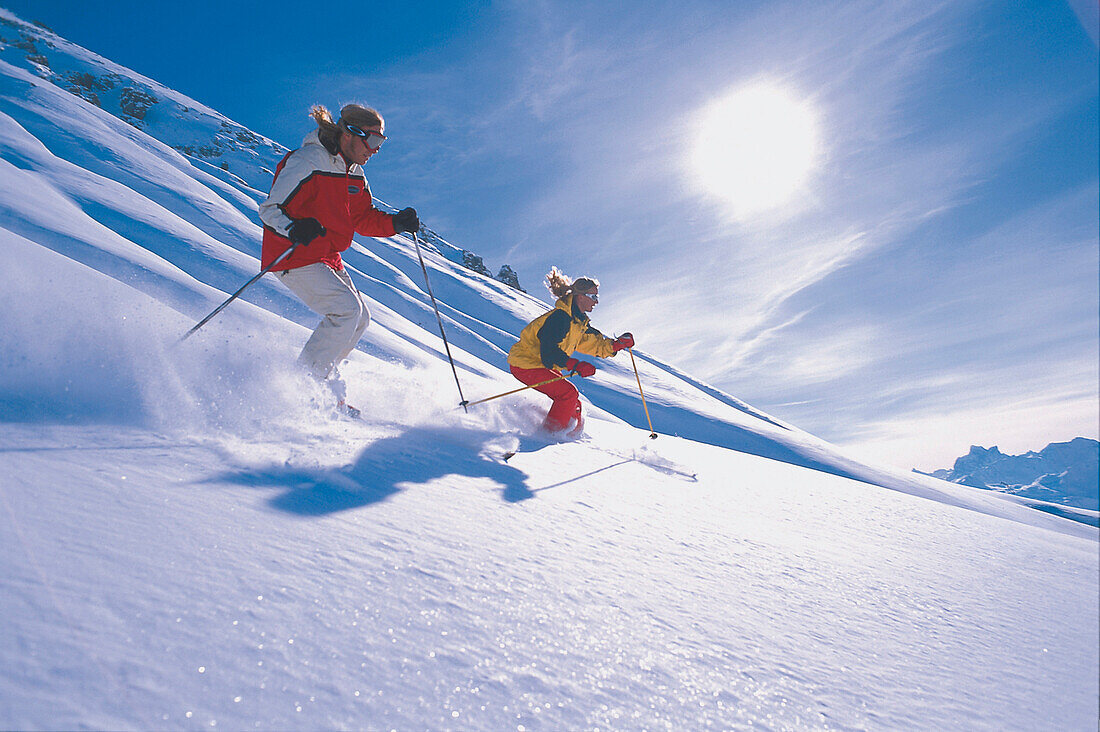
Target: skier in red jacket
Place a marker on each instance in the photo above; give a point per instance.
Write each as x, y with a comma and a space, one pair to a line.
318, 200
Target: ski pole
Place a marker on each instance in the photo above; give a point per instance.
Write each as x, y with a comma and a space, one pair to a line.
237, 294
446, 346
559, 377
652, 434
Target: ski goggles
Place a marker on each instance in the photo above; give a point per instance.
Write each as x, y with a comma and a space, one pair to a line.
373, 139
594, 296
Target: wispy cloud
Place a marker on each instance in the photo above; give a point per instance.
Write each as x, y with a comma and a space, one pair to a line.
627, 185
1051, 409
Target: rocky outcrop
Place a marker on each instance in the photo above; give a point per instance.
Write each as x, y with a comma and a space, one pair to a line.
508, 276
135, 103
476, 263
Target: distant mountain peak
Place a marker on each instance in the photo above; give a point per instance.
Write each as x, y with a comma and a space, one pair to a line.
979, 451
1062, 472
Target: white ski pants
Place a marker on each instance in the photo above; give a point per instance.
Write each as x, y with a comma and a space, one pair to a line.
333, 296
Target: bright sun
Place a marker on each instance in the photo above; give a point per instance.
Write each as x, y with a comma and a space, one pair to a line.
755, 148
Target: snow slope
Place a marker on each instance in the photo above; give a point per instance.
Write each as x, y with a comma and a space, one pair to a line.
191, 539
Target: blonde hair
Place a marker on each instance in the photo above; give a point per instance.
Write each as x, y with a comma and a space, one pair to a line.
561, 284
328, 130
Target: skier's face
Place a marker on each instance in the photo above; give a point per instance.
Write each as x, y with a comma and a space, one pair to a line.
587, 300
356, 148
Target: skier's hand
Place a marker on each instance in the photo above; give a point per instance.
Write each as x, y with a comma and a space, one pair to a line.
405, 220
626, 340
583, 368
303, 231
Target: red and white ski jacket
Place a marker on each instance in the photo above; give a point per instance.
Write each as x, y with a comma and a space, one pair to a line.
311, 182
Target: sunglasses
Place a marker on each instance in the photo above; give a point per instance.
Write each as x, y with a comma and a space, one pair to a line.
593, 296
373, 139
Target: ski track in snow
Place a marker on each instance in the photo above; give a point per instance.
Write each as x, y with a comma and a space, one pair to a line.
192, 539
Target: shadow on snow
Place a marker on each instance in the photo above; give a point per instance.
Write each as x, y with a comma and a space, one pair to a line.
386, 466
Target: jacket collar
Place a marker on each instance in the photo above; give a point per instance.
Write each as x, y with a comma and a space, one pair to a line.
569, 305
314, 138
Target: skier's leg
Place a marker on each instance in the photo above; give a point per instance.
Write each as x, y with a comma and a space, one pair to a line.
566, 406
364, 315
342, 310
580, 420
565, 395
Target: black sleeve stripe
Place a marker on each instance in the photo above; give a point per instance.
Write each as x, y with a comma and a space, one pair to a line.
293, 193
553, 330
307, 179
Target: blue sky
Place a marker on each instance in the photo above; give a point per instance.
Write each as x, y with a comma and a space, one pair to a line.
930, 283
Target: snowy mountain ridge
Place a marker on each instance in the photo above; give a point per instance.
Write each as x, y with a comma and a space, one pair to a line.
1062, 472
190, 537
210, 141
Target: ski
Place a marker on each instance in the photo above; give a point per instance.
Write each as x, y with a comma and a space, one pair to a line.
642, 456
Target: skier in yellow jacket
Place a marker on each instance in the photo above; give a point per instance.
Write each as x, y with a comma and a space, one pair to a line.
547, 343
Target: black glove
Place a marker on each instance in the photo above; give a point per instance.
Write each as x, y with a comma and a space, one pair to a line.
405, 220
303, 231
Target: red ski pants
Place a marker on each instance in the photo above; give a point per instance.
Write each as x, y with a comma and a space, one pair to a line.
567, 400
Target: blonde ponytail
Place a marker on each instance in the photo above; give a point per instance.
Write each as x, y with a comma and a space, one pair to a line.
321, 116
327, 130
558, 283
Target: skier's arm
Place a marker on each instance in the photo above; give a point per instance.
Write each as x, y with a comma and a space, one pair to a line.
595, 343
369, 221
289, 184
551, 334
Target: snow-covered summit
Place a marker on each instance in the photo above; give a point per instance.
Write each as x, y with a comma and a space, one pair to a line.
1062, 472
192, 539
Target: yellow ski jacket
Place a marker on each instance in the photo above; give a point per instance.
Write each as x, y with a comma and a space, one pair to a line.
550, 339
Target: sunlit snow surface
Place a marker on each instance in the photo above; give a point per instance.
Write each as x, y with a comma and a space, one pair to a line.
191, 539
415, 582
